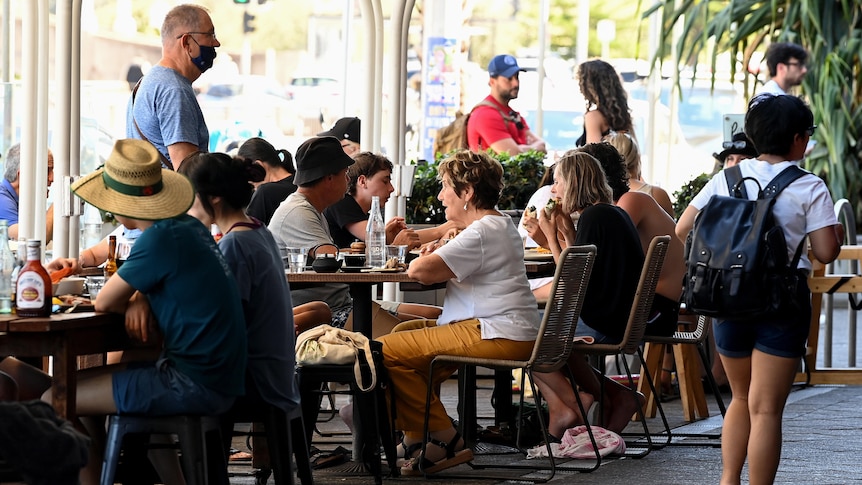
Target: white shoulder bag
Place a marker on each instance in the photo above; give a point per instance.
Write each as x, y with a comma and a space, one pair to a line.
326, 344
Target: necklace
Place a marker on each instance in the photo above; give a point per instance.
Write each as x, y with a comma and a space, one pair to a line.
254, 224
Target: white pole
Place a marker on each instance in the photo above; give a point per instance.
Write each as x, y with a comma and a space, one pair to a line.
63, 74
583, 38
41, 167
29, 74
75, 127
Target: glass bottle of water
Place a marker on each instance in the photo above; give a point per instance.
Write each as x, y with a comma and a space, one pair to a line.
375, 236
7, 265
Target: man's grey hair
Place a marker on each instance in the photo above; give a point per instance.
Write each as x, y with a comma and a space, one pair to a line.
181, 19
13, 163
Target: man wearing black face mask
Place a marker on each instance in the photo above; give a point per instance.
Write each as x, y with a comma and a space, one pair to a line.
163, 108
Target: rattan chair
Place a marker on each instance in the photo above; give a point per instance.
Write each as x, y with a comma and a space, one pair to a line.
552, 347
697, 337
634, 333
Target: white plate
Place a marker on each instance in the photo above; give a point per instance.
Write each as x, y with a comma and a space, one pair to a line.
533, 255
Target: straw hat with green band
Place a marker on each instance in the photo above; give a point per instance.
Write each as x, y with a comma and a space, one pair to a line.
133, 184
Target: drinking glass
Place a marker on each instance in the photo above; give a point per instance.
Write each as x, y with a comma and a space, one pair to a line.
396, 251
296, 258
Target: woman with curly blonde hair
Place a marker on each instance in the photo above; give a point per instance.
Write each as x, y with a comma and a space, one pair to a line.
607, 103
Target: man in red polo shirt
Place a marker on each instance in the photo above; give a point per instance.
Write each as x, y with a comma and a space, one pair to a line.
493, 124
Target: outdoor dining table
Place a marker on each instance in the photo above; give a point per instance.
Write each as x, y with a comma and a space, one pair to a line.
360, 285
63, 337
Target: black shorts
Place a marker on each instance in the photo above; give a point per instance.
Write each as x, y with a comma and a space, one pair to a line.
663, 317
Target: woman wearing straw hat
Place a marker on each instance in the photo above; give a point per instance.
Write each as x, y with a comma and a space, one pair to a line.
175, 287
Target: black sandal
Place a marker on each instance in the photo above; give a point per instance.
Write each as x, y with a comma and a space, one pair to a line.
420, 465
409, 451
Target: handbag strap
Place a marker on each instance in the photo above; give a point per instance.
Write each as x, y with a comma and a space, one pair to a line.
364, 345
165, 162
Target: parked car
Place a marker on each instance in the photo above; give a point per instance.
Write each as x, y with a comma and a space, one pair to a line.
316, 96
250, 99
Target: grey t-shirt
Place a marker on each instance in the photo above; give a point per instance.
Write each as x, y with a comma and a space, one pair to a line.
255, 261
167, 112
296, 223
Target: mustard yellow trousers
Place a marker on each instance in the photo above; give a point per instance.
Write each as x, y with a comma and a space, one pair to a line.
407, 356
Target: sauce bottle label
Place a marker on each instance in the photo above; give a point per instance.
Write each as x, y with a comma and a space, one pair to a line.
30, 291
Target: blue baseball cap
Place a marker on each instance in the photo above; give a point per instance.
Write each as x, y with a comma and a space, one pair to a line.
503, 65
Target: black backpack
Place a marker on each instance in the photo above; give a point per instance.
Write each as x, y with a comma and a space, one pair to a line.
736, 255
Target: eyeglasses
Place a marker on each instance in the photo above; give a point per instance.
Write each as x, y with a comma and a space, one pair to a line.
810, 130
211, 34
739, 144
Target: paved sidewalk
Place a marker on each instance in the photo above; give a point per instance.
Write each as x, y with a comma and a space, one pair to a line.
822, 445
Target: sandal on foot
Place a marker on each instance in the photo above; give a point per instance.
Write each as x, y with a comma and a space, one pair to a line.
409, 452
420, 465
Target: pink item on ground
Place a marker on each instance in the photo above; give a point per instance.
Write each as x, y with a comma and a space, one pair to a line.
576, 444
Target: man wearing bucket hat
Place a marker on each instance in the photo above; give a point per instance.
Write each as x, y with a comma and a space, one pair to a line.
493, 124
321, 175
175, 287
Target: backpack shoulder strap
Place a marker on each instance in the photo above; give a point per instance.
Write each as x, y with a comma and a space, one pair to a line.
733, 175
489, 104
782, 180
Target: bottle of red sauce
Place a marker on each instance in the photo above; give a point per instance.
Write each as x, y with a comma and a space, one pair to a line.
33, 296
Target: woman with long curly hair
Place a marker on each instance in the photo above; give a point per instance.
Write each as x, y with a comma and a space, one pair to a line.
607, 103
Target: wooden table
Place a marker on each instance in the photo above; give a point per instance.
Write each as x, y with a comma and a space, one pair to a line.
64, 337
360, 290
360, 285
819, 282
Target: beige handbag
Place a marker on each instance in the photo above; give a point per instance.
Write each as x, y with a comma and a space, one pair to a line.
326, 344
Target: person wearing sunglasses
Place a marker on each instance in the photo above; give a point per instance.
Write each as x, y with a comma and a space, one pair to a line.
163, 108
734, 151
787, 67
492, 123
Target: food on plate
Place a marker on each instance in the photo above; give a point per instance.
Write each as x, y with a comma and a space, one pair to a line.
357, 247
541, 250
58, 275
551, 205
393, 263
72, 300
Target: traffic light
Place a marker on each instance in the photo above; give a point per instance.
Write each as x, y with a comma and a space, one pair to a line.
247, 25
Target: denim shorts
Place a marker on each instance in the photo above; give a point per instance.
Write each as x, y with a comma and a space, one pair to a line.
159, 389
584, 330
782, 335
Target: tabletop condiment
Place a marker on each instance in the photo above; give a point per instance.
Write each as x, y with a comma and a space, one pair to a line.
7, 265
33, 289
111, 263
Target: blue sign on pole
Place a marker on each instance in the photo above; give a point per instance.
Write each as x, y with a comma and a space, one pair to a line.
440, 88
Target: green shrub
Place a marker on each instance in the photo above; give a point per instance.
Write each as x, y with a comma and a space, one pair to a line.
521, 176
683, 196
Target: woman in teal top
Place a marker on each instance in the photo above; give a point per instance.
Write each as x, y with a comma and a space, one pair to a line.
176, 292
